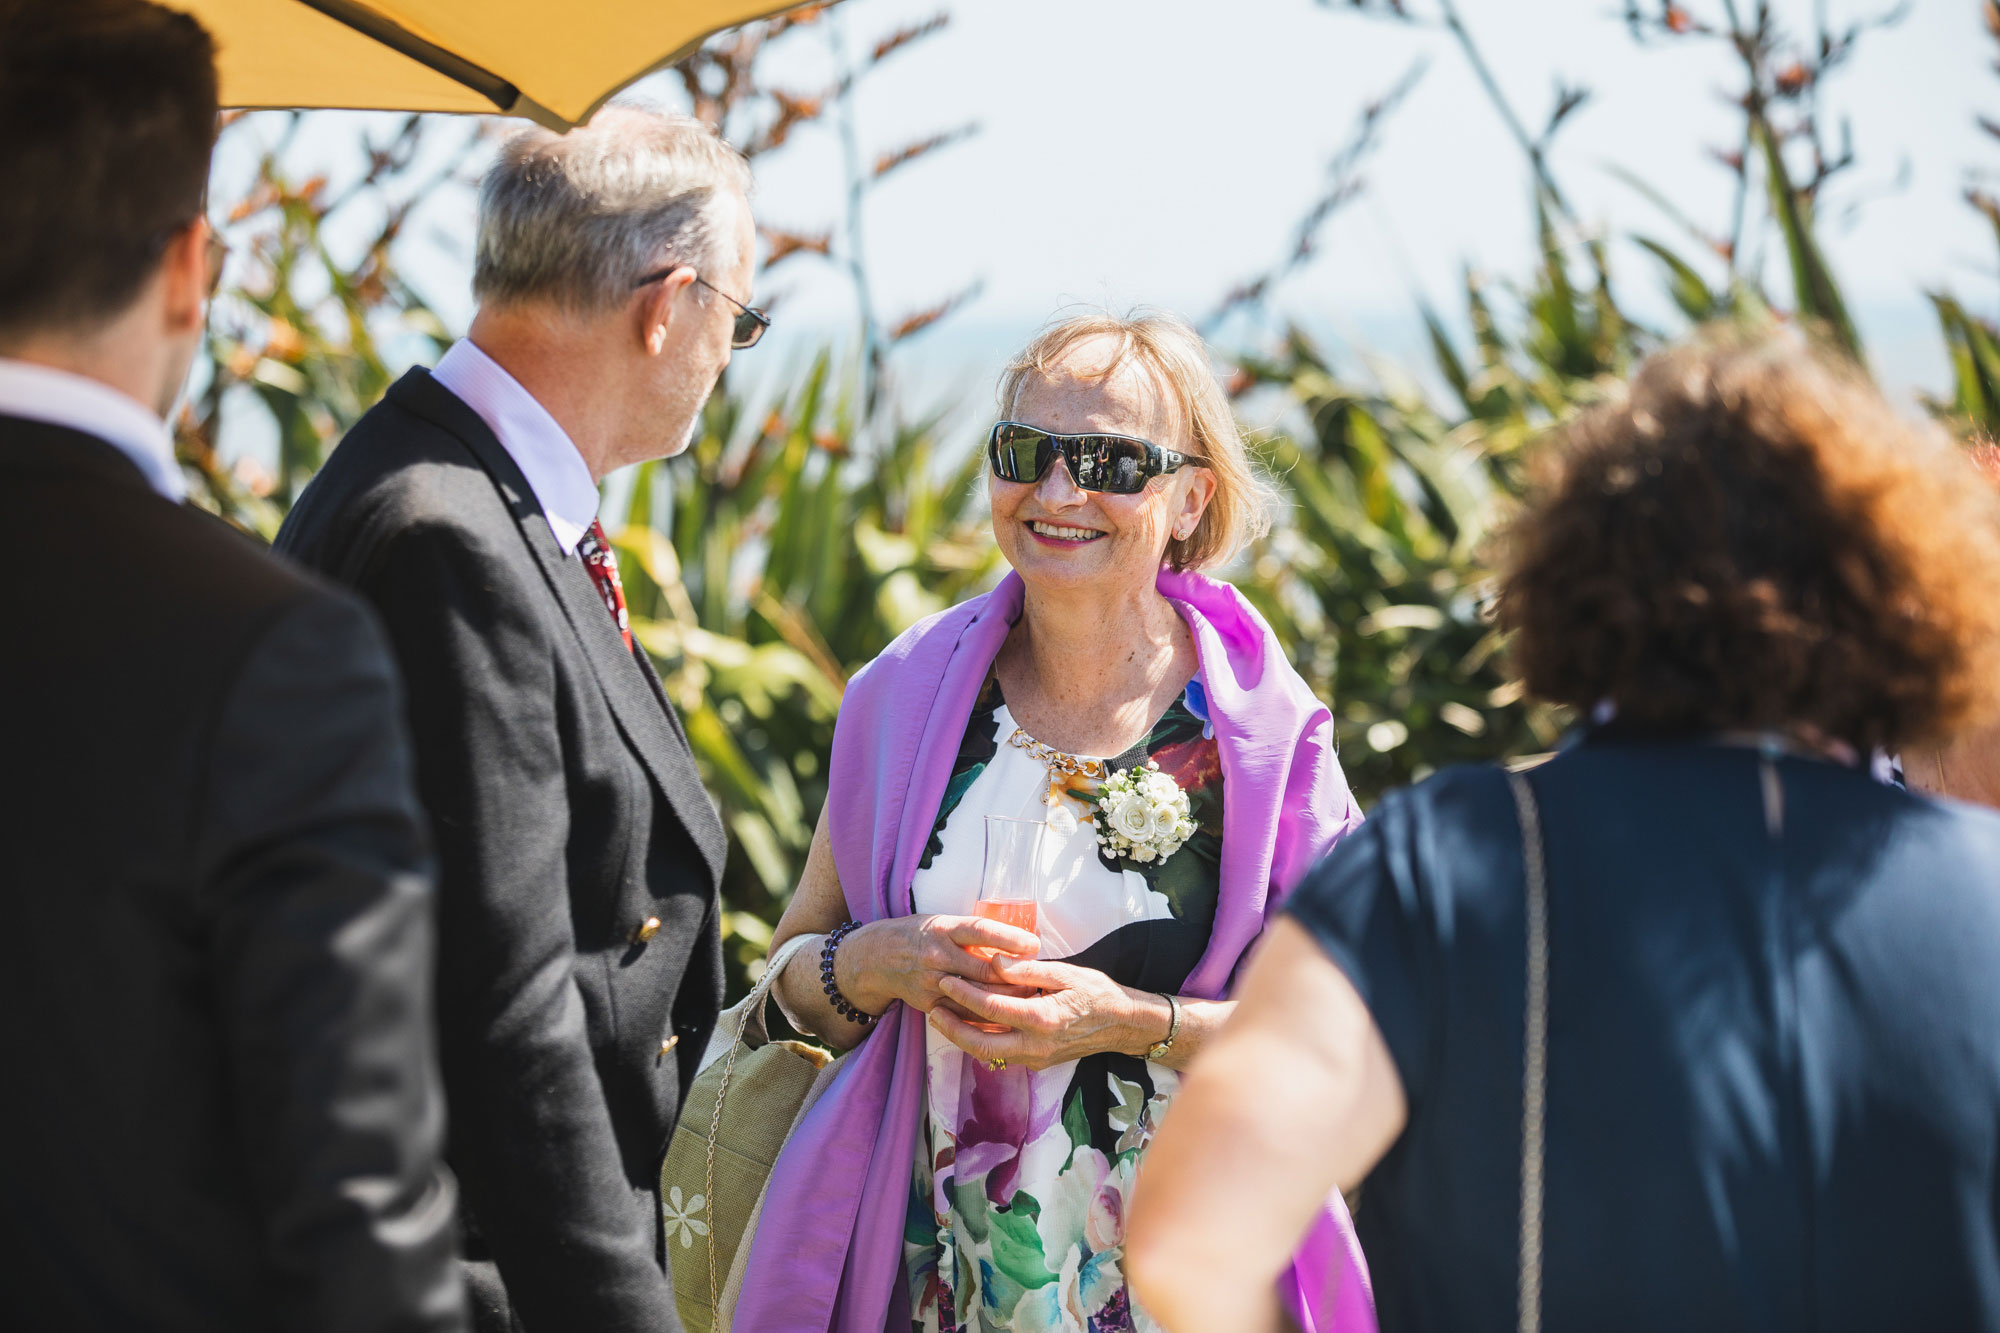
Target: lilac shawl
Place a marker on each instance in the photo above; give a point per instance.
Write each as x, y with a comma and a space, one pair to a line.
828, 1253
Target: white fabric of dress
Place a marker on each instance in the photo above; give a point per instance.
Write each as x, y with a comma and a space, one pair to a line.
1018, 1201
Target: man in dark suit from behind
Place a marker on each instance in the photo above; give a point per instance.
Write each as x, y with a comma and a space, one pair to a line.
222, 1108
579, 963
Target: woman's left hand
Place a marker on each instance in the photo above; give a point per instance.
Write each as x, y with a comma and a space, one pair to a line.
1079, 1012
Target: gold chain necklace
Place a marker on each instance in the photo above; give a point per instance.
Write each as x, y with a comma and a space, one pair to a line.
1057, 762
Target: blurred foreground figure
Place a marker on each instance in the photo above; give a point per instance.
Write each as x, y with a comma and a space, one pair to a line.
222, 1106
1773, 984
579, 953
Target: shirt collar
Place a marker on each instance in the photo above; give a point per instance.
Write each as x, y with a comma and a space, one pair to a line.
61, 398
539, 446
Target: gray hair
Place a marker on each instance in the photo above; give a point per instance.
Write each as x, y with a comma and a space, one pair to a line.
577, 219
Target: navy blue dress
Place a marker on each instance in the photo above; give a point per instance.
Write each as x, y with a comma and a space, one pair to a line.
1774, 1059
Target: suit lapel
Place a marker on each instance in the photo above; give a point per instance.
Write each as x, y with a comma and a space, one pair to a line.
628, 684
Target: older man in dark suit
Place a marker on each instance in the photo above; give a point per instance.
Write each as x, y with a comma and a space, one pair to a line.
222, 1106
579, 954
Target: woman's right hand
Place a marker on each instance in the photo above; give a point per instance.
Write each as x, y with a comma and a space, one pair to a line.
905, 957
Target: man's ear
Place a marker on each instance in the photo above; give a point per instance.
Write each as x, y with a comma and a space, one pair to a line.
656, 307
184, 279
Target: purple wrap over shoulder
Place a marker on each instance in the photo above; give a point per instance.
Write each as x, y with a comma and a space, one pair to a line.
828, 1253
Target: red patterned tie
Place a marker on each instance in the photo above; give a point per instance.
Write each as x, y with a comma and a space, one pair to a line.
602, 566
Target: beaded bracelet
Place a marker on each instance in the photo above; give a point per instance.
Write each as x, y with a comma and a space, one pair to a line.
839, 1002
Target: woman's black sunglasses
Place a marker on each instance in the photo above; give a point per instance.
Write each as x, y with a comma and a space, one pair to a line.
750, 322
1118, 464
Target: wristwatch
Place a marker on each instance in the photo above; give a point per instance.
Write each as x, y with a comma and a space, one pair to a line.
1159, 1049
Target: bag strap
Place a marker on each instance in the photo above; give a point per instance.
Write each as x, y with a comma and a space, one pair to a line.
754, 1028
1535, 1055
750, 1023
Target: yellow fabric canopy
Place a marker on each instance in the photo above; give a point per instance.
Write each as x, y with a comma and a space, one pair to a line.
553, 61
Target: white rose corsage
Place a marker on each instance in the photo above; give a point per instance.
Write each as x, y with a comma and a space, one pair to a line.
1142, 815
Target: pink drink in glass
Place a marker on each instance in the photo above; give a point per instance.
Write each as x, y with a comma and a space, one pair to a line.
1010, 882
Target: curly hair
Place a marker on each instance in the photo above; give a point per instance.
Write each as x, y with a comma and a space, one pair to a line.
1751, 538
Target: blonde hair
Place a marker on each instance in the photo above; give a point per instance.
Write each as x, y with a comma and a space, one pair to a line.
1168, 347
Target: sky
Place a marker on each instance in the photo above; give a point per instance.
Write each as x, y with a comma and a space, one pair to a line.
1160, 151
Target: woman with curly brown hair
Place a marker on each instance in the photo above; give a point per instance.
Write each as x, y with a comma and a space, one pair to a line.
1696, 1025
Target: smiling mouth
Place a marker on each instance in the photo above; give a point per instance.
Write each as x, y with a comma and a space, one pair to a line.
1057, 532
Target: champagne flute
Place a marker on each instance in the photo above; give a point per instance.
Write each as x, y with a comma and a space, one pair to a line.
1010, 881
1010, 878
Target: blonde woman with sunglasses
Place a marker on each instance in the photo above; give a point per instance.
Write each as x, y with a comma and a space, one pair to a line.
969, 1169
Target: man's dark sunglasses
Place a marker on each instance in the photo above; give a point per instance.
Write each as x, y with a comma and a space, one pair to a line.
1118, 464
750, 323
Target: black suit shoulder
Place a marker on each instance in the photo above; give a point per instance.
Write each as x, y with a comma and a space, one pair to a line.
396, 473
124, 536
145, 607
405, 514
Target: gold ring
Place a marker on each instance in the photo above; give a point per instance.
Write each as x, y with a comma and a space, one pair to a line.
996, 1065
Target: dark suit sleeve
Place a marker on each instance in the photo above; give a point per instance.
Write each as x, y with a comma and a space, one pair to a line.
315, 876
532, 1135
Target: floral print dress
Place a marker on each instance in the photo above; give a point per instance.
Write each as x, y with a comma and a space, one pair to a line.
1018, 1195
